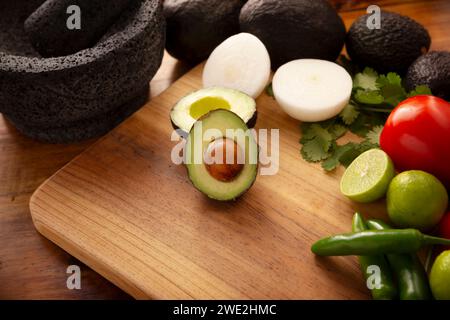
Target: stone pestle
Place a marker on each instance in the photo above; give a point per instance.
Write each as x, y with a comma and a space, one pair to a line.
63, 27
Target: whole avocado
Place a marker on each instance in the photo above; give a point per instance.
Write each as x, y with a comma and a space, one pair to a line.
295, 29
393, 47
196, 27
433, 70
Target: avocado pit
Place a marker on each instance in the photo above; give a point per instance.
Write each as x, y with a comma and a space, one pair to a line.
223, 159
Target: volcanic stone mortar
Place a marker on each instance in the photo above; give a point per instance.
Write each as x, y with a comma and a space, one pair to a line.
84, 95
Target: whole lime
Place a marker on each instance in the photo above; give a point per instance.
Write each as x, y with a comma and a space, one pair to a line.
440, 277
416, 199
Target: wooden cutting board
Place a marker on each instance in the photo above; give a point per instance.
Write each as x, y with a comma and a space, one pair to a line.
128, 212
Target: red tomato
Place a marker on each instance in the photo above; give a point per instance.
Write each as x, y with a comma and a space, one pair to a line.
417, 136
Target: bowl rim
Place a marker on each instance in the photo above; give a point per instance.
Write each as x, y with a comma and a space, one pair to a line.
146, 14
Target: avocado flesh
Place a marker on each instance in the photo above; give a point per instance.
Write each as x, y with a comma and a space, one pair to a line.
392, 48
431, 69
219, 121
195, 105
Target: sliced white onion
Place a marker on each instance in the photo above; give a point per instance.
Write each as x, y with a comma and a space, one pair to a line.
241, 62
312, 90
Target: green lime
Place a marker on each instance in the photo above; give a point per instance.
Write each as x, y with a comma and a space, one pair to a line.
367, 178
416, 199
440, 277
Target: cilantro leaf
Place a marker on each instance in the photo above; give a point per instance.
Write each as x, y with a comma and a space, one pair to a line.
348, 153
390, 79
334, 160
367, 80
337, 131
369, 97
377, 119
318, 134
349, 114
373, 136
391, 89
420, 90
313, 151
359, 126
393, 94
331, 163
367, 145
365, 122
317, 142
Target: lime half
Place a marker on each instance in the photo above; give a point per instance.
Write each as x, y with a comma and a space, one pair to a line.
367, 178
440, 277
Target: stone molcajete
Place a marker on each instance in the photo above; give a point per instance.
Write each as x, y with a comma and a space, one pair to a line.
85, 94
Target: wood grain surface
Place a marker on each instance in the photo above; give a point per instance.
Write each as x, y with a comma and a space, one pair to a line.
32, 267
124, 209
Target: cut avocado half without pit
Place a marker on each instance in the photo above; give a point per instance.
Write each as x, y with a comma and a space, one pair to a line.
221, 155
197, 104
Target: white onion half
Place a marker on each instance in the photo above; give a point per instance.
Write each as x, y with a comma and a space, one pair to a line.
312, 90
241, 62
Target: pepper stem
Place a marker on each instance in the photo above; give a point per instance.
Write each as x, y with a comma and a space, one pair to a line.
435, 240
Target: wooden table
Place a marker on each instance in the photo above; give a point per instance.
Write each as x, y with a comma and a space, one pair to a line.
31, 267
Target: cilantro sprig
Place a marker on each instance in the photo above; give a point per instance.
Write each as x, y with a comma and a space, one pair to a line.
373, 98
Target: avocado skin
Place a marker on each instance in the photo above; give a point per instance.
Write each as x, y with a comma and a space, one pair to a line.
433, 70
295, 29
196, 27
394, 47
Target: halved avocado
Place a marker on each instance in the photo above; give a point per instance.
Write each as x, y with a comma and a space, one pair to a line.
197, 104
221, 155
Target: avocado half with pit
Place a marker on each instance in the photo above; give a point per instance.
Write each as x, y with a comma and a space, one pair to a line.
221, 155
195, 105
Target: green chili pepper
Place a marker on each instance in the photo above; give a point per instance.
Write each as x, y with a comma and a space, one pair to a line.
387, 289
375, 242
409, 271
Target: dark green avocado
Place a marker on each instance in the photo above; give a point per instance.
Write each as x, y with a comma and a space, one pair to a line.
295, 29
196, 27
393, 47
433, 70
217, 136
